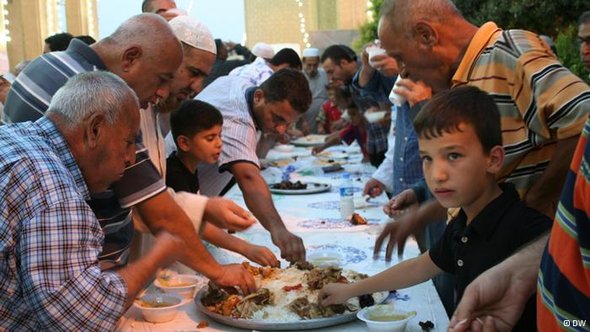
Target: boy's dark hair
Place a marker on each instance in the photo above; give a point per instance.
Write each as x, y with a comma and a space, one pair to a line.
192, 117
288, 56
470, 105
337, 53
288, 84
59, 41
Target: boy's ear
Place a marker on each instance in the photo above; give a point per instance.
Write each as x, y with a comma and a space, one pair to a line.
183, 143
496, 159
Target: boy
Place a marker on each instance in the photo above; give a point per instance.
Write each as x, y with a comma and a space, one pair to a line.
355, 130
461, 150
329, 114
196, 129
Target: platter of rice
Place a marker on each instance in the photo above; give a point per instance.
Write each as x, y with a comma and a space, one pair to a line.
287, 299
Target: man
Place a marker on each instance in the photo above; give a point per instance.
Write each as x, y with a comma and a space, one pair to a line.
249, 111
318, 80
198, 58
50, 239
164, 8
259, 71
145, 53
341, 66
543, 105
584, 38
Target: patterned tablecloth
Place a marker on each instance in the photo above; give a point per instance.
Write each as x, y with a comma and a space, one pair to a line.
316, 218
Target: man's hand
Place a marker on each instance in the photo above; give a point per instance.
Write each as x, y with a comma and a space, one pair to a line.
261, 255
235, 275
373, 188
227, 214
400, 203
291, 245
414, 92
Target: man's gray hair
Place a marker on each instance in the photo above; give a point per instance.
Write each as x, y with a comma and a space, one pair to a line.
92, 92
403, 14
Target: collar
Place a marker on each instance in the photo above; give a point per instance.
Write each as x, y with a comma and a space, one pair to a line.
250, 102
79, 47
480, 41
487, 220
60, 147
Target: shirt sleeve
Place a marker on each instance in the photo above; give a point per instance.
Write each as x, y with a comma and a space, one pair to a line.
555, 103
60, 273
239, 143
384, 173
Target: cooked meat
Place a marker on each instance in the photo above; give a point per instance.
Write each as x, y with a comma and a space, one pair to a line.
288, 185
357, 219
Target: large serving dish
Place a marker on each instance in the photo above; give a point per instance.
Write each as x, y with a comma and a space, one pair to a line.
310, 140
312, 188
263, 325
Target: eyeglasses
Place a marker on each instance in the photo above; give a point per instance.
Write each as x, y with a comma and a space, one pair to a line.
582, 40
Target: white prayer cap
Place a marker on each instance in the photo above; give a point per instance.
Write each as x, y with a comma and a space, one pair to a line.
311, 52
193, 32
263, 50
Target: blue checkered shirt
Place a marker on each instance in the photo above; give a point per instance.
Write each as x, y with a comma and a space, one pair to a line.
50, 239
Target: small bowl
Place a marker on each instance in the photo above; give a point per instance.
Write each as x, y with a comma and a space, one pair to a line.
383, 317
160, 308
284, 147
183, 285
325, 258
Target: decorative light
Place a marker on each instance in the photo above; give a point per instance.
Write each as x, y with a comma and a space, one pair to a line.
5, 35
90, 14
302, 24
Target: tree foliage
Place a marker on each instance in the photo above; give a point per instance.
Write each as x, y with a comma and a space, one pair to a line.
555, 18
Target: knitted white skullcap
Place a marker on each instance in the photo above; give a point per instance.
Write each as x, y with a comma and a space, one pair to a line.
263, 50
194, 33
311, 52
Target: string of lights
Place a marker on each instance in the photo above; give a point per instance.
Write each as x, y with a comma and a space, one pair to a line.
303, 29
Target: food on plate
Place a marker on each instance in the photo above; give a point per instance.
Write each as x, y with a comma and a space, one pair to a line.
357, 219
288, 185
285, 295
203, 324
171, 281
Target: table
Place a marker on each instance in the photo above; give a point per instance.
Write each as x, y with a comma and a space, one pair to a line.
316, 218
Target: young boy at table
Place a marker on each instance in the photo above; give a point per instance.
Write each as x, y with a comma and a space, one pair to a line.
460, 145
196, 129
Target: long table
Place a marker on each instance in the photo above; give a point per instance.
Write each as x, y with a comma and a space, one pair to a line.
316, 219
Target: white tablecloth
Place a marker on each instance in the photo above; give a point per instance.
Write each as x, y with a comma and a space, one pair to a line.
316, 219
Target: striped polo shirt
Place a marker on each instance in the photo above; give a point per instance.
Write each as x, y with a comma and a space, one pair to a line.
540, 101
563, 296
28, 100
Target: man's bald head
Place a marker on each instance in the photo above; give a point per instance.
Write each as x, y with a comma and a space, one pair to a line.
145, 52
403, 14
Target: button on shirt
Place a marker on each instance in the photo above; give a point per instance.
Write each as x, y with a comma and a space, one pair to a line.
50, 239
503, 226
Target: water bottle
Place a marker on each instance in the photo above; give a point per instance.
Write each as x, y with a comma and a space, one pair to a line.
346, 196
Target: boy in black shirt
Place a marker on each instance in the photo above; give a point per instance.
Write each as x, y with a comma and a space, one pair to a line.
460, 144
196, 129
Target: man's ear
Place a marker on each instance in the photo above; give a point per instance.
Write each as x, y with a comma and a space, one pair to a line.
258, 96
425, 34
94, 130
496, 159
130, 56
183, 143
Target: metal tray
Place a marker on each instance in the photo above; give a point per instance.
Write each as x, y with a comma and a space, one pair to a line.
312, 188
263, 325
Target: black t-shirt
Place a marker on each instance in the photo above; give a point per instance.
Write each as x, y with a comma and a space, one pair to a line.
178, 177
503, 226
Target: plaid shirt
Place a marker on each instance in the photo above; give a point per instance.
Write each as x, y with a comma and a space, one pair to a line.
50, 239
376, 138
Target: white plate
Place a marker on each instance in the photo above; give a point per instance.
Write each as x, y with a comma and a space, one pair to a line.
310, 140
312, 188
325, 258
284, 147
375, 116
